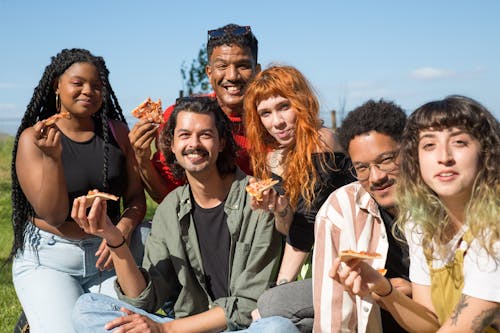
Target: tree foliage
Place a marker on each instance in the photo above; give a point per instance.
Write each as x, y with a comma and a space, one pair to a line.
194, 77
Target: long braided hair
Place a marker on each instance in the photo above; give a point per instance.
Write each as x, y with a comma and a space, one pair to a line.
42, 106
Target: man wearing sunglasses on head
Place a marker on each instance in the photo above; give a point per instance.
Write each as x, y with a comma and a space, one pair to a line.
359, 217
232, 64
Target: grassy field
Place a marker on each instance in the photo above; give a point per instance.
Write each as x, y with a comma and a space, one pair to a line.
9, 305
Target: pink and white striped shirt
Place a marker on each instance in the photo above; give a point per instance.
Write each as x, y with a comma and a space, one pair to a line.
348, 220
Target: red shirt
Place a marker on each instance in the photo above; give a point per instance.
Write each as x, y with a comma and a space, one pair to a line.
242, 159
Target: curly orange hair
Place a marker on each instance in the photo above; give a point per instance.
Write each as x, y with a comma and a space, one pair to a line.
299, 174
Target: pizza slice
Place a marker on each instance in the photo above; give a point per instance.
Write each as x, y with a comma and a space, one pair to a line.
350, 254
382, 271
92, 194
149, 110
255, 189
54, 118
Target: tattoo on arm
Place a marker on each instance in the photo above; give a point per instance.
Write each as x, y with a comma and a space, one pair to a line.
462, 304
284, 212
488, 317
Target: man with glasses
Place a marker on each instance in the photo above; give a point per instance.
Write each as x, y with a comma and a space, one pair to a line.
359, 217
232, 64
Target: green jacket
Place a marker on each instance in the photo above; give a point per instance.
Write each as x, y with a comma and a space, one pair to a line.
173, 266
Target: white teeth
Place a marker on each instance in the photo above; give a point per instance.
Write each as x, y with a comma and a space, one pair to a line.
232, 89
446, 174
194, 155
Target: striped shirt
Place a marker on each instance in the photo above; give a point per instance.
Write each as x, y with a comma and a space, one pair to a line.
348, 220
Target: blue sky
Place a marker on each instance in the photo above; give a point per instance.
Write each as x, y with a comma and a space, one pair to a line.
410, 52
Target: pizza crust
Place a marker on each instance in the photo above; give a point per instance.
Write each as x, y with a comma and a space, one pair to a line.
54, 118
350, 254
92, 194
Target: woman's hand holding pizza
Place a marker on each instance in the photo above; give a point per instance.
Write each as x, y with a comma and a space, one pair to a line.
48, 140
265, 196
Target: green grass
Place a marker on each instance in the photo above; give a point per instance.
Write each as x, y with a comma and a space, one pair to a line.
9, 305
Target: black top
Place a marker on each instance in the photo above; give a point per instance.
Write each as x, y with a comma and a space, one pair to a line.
83, 164
301, 234
214, 241
398, 260
397, 265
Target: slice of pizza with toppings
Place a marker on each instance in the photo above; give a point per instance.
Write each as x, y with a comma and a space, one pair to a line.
54, 118
149, 110
92, 194
255, 189
350, 254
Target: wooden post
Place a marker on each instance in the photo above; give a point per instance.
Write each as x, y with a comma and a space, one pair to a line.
334, 119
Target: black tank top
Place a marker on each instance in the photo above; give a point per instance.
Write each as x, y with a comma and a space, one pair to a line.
83, 164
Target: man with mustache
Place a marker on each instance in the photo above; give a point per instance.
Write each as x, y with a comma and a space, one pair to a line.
359, 217
208, 252
232, 64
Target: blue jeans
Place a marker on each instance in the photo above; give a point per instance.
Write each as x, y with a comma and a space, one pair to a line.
52, 272
93, 311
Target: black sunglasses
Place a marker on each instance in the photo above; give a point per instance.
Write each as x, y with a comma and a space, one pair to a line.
194, 98
238, 31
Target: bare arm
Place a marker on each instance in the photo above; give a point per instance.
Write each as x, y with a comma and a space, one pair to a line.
415, 315
292, 261
472, 315
41, 174
212, 320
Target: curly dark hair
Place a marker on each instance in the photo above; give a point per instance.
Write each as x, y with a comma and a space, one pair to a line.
42, 106
383, 117
204, 105
246, 40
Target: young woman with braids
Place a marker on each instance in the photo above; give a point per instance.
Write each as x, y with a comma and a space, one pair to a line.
449, 202
288, 142
54, 261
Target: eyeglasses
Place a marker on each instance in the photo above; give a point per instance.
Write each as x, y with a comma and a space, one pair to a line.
237, 31
386, 163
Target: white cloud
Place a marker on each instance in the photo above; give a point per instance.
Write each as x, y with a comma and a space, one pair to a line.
430, 73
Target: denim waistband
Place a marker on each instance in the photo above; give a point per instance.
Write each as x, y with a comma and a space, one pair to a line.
33, 235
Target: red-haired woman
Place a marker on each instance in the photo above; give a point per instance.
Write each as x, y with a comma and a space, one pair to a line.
288, 142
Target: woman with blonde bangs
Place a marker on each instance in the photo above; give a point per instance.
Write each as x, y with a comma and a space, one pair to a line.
289, 143
449, 204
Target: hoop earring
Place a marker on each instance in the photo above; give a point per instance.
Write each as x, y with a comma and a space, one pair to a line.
58, 103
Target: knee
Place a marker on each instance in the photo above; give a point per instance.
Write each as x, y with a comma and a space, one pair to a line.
270, 304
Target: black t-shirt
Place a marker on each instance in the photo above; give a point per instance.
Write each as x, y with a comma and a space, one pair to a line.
397, 265
214, 241
301, 233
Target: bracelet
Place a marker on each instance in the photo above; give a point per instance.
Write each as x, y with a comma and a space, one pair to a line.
388, 293
117, 246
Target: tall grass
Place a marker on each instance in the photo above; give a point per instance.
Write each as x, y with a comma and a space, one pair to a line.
9, 305
10, 308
